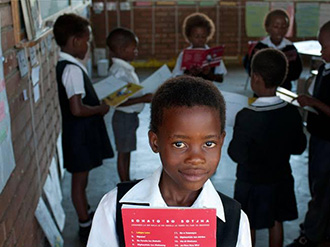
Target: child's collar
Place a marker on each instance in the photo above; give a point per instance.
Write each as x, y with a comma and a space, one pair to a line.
147, 191
327, 66
205, 47
70, 58
270, 44
122, 63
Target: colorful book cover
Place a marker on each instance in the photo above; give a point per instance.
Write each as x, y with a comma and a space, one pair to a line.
175, 227
202, 57
122, 94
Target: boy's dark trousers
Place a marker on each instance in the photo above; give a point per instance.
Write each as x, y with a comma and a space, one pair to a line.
317, 219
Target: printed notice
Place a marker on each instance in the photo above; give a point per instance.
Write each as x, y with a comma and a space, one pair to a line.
177, 227
7, 160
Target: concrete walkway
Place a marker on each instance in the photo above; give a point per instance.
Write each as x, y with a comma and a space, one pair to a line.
144, 162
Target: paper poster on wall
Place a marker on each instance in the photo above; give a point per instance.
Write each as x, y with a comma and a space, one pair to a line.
289, 8
254, 18
35, 75
7, 160
307, 19
53, 171
36, 93
60, 154
22, 63
33, 55
324, 13
54, 201
48, 225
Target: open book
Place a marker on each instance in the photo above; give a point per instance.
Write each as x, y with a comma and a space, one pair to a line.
291, 98
199, 57
115, 92
169, 227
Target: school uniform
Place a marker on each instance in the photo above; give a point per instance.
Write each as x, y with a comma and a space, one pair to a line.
265, 135
177, 71
317, 220
125, 120
104, 233
290, 51
85, 140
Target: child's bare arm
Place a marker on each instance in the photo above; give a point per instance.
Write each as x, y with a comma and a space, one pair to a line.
78, 109
146, 98
305, 100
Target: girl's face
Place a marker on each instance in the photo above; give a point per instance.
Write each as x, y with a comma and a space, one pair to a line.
324, 39
277, 29
198, 37
189, 143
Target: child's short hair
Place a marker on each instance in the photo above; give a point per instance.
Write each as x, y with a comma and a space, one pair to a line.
186, 91
197, 20
120, 38
273, 13
325, 28
68, 25
271, 65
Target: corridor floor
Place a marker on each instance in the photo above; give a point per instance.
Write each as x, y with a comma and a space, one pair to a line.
144, 162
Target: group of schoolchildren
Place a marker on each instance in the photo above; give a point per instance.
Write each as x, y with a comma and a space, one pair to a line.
187, 129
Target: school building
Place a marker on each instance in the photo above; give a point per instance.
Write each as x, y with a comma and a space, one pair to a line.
30, 118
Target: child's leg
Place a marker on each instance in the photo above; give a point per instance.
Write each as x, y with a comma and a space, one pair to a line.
253, 237
78, 194
276, 235
123, 164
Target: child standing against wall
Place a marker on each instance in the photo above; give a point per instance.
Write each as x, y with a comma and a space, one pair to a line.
198, 29
123, 44
84, 136
187, 130
276, 25
265, 135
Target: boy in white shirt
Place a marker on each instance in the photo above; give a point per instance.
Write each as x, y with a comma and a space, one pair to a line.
123, 44
187, 130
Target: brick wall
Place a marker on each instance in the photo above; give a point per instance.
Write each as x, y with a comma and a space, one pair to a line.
35, 128
159, 27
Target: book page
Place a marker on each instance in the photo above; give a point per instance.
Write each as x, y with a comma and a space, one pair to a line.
151, 84
107, 86
177, 227
291, 97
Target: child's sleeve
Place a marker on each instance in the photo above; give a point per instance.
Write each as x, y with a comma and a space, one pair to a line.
73, 81
238, 149
177, 69
103, 232
244, 235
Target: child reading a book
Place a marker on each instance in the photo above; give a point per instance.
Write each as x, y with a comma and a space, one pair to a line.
123, 44
198, 29
187, 130
276, 25
316, 227
265, 135
84, 136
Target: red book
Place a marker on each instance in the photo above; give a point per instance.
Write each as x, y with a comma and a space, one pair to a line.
202, 57
175, 227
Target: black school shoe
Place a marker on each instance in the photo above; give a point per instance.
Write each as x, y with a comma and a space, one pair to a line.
302, 241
